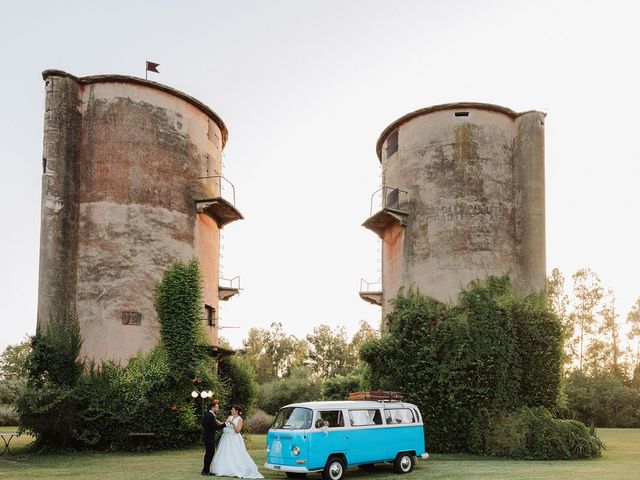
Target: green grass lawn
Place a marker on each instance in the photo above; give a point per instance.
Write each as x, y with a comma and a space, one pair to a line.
621, 461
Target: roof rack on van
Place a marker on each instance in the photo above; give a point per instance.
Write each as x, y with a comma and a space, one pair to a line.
380, 396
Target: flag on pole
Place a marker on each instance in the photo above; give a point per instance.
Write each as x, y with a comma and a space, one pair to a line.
151, 67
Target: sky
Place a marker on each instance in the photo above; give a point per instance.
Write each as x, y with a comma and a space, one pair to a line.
305, 89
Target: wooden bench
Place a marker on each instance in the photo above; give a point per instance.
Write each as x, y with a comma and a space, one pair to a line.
139, 438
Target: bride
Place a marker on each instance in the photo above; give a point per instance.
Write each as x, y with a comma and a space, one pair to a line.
232, 458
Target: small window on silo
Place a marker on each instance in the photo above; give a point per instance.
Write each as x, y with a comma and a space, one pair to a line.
392, 143
131, 318
462, 114
211, 315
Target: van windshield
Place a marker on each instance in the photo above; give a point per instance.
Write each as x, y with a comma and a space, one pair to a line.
295, 418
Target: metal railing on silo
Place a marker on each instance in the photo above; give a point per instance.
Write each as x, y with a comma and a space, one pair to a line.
231, 283
370, 287
387, 197
223, 187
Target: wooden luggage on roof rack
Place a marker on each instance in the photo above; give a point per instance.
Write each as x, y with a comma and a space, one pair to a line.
375, 395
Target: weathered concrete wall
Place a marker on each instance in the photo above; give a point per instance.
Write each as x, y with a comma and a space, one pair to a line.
139, 152
124, 250
530, 202
59, 209
475, 199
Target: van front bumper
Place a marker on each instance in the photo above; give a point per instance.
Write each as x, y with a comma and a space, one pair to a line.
286, 468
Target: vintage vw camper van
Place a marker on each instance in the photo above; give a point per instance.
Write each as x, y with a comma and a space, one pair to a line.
328, 437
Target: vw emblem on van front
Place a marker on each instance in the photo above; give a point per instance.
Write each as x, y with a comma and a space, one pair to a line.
277, 447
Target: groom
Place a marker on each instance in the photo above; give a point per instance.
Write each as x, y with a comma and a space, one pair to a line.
210, 424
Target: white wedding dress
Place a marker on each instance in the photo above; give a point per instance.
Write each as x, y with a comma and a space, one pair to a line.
232, 458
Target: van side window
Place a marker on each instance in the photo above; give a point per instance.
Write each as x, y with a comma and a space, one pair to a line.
331, 419
399, 415
361, 418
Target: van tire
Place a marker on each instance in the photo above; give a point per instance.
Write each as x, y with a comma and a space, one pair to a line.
334, 469
403, 463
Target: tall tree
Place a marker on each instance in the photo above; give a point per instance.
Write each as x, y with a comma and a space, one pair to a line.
609, 329
273, 353
558, 302
330, 353
365, 332
557, 298
597, 358
587, 291
633, 319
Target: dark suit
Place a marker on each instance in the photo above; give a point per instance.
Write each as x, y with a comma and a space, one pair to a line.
209, 427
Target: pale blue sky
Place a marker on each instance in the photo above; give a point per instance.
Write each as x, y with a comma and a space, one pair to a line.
305, 88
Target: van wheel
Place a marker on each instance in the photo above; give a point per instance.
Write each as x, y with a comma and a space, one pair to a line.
334, 469
296, 475
403, 463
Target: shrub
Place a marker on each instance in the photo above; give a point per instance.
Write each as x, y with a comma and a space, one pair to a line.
54, 352
298, 387
540, 347
48, 407
8, 416
239, 378
258, 422
98, 409
603, 401
118, 400
465, 363
504, 436
533, 433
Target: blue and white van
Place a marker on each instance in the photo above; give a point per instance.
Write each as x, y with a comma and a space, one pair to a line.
328, 437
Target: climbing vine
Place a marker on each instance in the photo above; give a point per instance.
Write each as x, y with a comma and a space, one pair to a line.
467, 364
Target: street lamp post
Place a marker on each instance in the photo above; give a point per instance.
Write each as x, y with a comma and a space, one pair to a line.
202, 394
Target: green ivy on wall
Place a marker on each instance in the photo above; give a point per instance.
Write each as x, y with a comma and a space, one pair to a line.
66, 408
487, 356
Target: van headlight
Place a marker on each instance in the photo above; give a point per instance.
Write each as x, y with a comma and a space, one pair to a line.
268, 448
295, 451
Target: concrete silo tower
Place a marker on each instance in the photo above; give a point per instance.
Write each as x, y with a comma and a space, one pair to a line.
132, 182
462, 197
